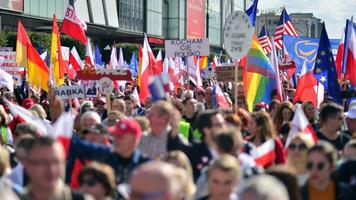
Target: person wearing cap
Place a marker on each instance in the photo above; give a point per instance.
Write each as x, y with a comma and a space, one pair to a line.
97, 134
28, 103
123, 156
101, 107
351, 121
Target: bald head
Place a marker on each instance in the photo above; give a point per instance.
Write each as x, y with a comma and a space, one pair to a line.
156, 180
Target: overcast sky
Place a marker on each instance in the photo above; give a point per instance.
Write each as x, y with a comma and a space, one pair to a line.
333, 12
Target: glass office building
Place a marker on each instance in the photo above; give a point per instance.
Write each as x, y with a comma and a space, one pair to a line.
126, 20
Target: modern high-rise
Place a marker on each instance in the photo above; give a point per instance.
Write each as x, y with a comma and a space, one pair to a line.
127, 20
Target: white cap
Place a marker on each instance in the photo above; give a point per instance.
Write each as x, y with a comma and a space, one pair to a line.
351, 113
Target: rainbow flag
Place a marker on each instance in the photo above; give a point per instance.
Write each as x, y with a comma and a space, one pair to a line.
259, 76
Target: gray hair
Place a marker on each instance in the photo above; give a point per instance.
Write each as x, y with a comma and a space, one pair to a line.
90, 114
264, 187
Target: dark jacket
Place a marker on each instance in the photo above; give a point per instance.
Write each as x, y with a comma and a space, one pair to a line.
88, 151
197, 151
342, 192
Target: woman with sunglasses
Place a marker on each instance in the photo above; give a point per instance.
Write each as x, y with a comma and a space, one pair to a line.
98, 180
297, 156
320, 185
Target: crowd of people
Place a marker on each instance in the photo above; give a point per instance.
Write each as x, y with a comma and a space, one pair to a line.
180, 148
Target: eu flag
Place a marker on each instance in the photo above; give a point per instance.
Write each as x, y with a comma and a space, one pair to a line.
325, 70
134, 65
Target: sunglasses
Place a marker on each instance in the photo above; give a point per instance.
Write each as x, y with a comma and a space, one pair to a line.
300, 147
319, 166
89, 182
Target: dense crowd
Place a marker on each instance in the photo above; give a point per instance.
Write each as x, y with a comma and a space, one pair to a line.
180, 148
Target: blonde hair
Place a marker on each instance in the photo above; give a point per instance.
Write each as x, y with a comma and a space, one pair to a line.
309, 142
38, 110
226, 163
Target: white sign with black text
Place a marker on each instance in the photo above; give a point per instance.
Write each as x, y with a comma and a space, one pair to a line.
73, 91
187, 47
237, 34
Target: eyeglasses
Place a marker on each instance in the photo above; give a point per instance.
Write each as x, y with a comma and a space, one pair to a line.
300, 147
89, 182
201, 94
319, 166
146, 196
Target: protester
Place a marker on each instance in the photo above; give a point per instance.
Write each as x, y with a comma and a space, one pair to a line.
97, 180
45, 166
351, 121
331, 120
223, 176
156, 180
89, 119
161, 137
123, 156
282, 117
119, 105
262, 133
309, 111
264, 187
320, 185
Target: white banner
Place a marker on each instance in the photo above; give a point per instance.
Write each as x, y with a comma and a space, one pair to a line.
8, 62
187, 47
73, 91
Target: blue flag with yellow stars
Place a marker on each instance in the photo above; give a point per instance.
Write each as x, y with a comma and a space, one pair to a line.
325, 70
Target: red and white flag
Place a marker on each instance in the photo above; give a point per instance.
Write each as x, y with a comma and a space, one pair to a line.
73, 26
74, 60
147, 63
284, 27
113, 58
89, 60
121, 62
339, 56
25, 115
274, 61
350, 71
300, 125
65, 64
264, 154
306, 87
63, 130
159, 64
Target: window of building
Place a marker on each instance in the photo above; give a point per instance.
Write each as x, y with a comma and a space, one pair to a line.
81, 8
98, 11
111, 11
131, 15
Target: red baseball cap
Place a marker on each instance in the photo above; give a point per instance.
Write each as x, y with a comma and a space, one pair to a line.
127, 126
27, 103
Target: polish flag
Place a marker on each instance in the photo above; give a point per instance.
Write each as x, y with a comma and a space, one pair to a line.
66, 68
167, 68
178, 73
300, 125
74, 60
113, 58
350, 72
339, 56
197, 72
265, 153
63, 130
215, 63
219, 100
26, 116
159, 64
89, 60
147, 63
73, 26
305, 87
274, 59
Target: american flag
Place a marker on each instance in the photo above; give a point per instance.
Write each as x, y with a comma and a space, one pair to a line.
285, 27
265, 40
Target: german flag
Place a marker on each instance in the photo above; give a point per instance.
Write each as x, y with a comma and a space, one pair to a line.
38, 73
56, 55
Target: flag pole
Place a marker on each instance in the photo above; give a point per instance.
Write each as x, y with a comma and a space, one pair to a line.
236, 63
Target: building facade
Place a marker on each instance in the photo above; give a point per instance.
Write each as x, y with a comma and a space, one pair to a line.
305, 23
127, 20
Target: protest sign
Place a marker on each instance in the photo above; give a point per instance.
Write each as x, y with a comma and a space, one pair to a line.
237, 34
8, 62
187, 47
73, 91
226, 73
91, 73
106, 85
